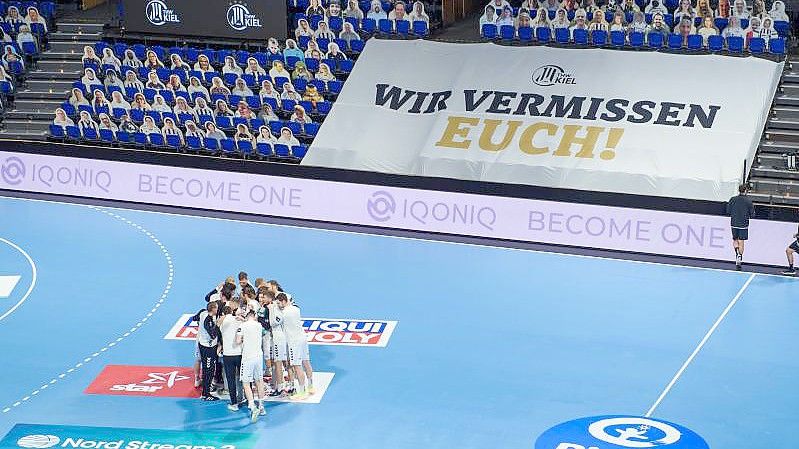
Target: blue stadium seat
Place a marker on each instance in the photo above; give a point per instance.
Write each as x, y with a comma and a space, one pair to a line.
721, 23
287, 105
323, 107
30, 48
140, 139
156, 139
73, 133
543, 34
777, 46
715, 43
211, 145
675, 41
617, 38
525, 34
507, 32
123, 136
335, 86
311, 129
599, 37
356, 26
346, 65
299, 151
735, 44
275, 126
562, 35
580, 36
245, 147
57, 131
783, 28
193, 143
403, 27
106, 135
695, 42
335, 23
264, 149
386, 27
173, 141
223, 122
312, 64
295, 127
368, 25
229, 147
757, 45
282, 150
90, 134
654, 40
636, 39
357, 46
420, 28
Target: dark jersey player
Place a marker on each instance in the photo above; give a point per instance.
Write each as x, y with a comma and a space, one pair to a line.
740, 209
792, 249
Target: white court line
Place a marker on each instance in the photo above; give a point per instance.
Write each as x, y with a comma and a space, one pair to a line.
369, 231
33, 278
701, 344
112, 343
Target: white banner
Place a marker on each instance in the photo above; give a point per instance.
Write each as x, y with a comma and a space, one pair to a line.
592, 119
613, 228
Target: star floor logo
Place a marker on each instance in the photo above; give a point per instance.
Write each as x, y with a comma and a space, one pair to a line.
618, 431
127, 380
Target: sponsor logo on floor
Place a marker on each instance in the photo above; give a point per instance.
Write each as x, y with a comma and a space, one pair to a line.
36, 436
320, 331
131, 380
619, 431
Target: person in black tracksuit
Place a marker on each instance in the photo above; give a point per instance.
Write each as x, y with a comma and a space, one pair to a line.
740, 209
792, 249
207, 339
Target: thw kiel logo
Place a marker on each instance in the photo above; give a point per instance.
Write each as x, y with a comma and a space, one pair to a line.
129, 380
240, 18
549, 75
158, 13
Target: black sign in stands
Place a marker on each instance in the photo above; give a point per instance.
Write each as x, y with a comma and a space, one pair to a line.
232, 19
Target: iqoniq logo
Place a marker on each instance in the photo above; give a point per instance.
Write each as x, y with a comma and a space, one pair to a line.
13, 170
549, 75
381, 206
158, 13
240, 18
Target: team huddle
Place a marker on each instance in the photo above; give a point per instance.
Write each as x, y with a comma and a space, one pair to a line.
250, 327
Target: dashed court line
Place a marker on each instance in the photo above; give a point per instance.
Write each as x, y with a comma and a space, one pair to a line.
114, 342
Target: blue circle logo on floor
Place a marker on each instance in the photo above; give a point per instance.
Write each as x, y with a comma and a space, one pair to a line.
619, 431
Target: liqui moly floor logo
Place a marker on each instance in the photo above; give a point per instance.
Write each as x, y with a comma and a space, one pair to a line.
320, 331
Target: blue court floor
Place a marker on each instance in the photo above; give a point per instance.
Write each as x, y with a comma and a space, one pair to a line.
492, 346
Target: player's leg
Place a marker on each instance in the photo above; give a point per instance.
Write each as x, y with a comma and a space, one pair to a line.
278, 357
198, 381
246, 379
789, 254
208, 367
231, 364
259, 386
295, 360
306, 366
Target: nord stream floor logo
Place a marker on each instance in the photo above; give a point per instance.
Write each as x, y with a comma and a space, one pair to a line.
35, 436
17, 276
616, 432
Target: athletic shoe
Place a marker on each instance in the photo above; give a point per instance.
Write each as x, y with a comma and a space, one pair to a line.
242, 401
275, 394
261, 410
299, 396
210, 397
254, 415
233, 407
311, 389
789, 272
198, 383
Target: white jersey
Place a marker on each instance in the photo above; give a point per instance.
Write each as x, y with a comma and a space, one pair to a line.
229, 328
292, 324
250, 332
203, 337
276, 323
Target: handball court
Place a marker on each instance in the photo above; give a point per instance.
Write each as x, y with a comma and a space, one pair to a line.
488, 346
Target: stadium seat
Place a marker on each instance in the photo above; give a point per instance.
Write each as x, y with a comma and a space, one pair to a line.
783, 28
507, 32
193, 143
420, 28
695, 42
654, 40
107, 135
73, 133
312, 64
735, 44
335, 23
57, 131
299, 151
211, 145
488, 31
757, 45
599, 37
357, 46
30, 48
562, 35
402, 27
356, 25
90, 134
287, 105
156, 139
346, 65
282, 150
323, 107
368, 25
386, 27
300, 84
617, 38
311, 129
543, 34
525, 34
263, 149
335, 86
715, 43
636, 39
123, 136
580, 36
140, 139
295, 127
245, 147
777, 46
721, 23
675, 41
229, 147
223, 122
173, 141
275, 126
